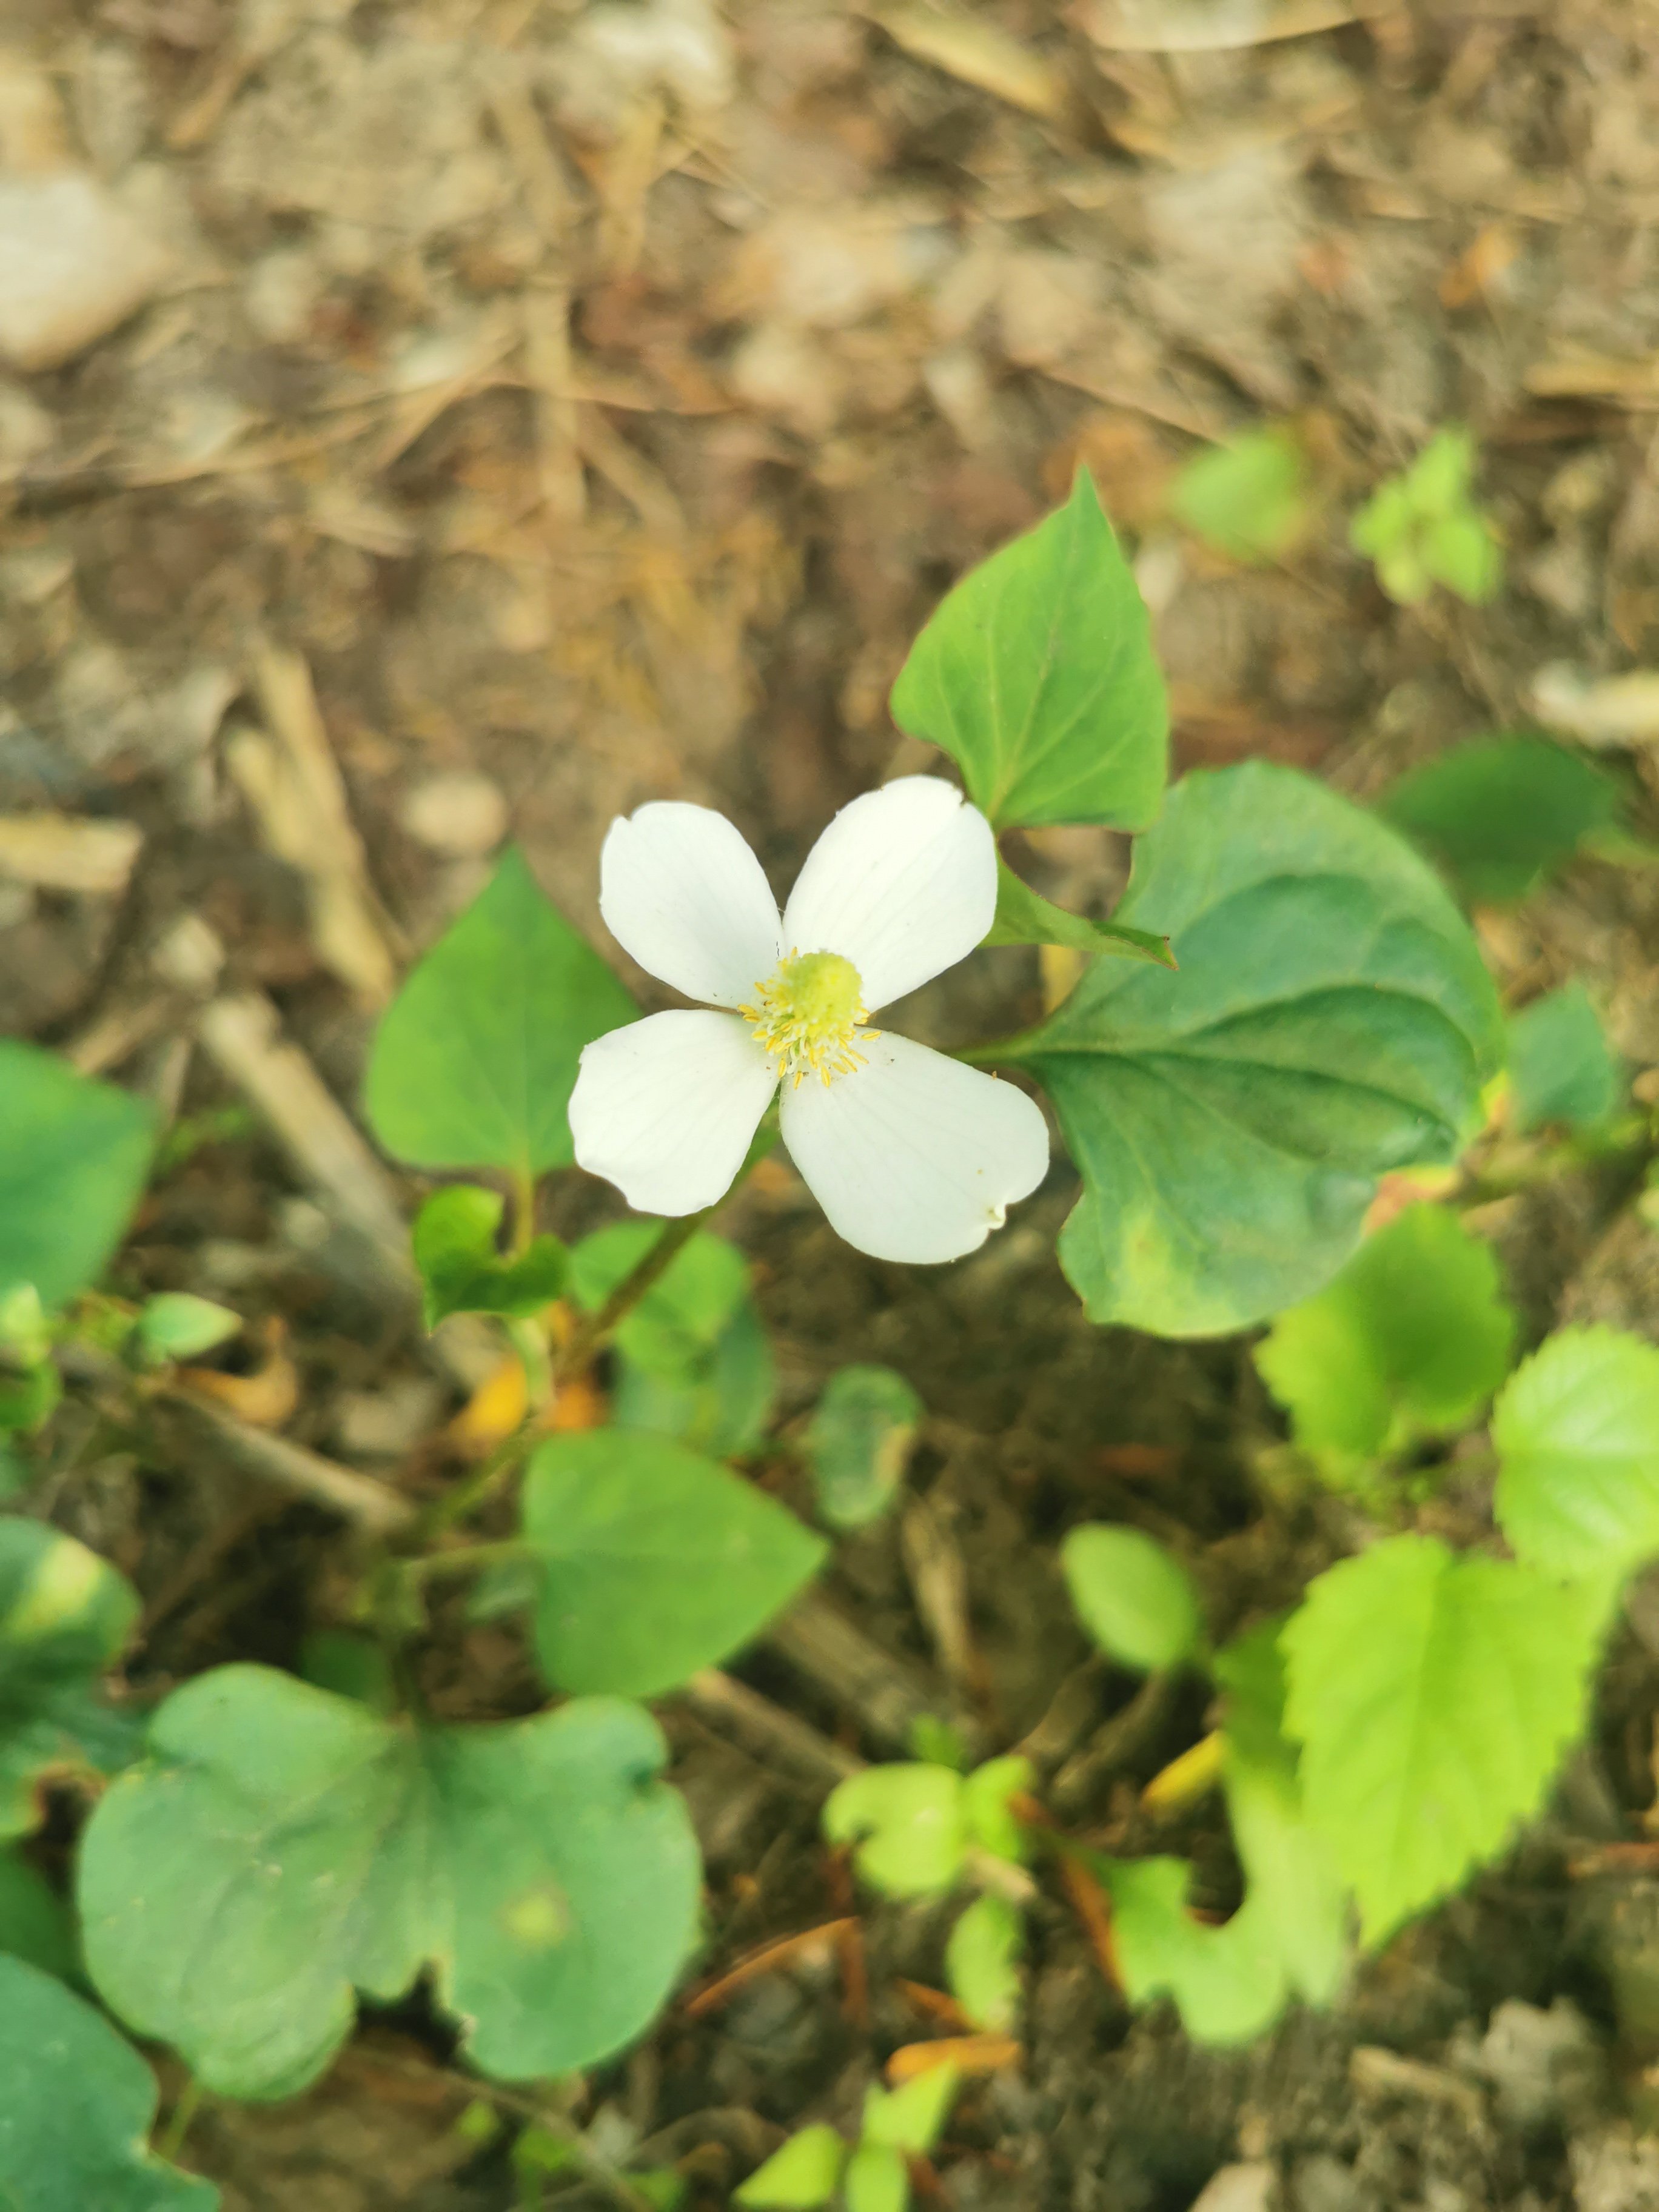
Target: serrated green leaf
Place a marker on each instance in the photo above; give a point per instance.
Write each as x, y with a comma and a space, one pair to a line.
912, 2116
679, 1320
1433, 1696
35, 1924
1295, 1897
1332, 1020
857, 1444
73, 1156
804, 2173
1413, 1335
76, 2106
1025, 917
1501, 815
907, 1825
1036, 675
655, 1561
1562, 1069
175, 1325
1250, 499
281, 1848
65, 1616
1133, 1596
462, 1269
1577, 1432
876, 2179
475, 1060
982, 1963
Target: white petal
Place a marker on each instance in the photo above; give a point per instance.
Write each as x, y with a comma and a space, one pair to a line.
914, 1157
904, 884
681, 890
665, 1107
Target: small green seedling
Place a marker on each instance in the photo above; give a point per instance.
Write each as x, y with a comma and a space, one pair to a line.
1250, 499
817, 2167
859, 1442
1423, 527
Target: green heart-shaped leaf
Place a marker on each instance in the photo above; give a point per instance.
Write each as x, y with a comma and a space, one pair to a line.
73, 1156
1036, 675
654, 1561
1331, 1020
281, 1847
476, 1059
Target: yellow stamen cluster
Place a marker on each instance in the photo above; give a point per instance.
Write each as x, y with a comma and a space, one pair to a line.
808, 1016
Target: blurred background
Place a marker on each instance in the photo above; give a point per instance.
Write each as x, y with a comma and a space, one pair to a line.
422, 421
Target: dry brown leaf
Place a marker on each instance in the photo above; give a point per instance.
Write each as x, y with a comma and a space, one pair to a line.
266, 1398
62, 853
976, 52
1579, 373
968, 2054
1477, 269
1198, 27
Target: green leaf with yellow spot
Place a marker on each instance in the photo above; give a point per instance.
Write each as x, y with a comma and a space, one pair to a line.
65, 1615
282, 1848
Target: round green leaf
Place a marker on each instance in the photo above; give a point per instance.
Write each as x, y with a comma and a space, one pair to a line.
1331, 1020
1227, 1982
721, 1403
462, 1270
175, 1325
76, 2107
1413, 1334
857, 1444
281, 1847
1036, 675
65, 1616
73, 1156
1250, 498
1433, 1696
1133, 1597
907, 1824
475, 1060
654, 1561
1577, 1432
1503, 814
981, 1964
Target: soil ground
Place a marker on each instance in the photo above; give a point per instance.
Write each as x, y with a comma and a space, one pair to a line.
587, 405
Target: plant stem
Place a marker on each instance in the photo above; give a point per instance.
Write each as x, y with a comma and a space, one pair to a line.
464, 1560
523, 1211
576, 1354
185, 2107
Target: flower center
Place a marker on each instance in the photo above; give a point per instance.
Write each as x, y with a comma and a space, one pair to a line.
808, 1014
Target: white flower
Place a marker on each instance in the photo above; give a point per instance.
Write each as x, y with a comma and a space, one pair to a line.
911, 1155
